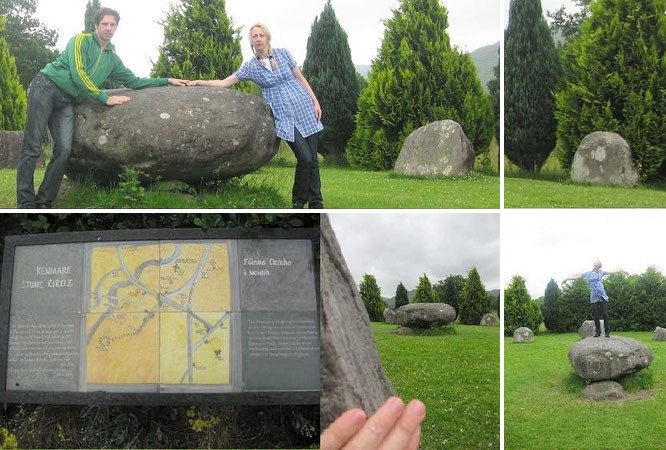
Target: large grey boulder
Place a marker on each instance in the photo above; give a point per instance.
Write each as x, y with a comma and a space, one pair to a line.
425, 315
602, 358
604, 390
438, 149
659, 334
523, 334
351, 372
489, 320
389, 316
10, 147
587, 329
189, 134
604, 158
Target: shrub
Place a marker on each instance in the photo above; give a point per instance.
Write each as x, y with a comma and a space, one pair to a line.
519, 308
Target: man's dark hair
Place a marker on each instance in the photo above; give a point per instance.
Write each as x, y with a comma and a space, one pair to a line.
106, 12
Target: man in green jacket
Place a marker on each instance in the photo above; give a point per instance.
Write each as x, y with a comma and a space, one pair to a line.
88, 61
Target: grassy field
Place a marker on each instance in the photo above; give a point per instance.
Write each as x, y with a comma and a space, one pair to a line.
455, 372
543, 406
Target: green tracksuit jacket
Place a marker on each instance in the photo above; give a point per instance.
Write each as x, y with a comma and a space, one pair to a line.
84, 66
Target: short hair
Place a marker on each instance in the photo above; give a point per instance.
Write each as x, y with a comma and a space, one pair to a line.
99, 15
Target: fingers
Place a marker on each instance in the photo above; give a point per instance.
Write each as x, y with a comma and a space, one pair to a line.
378, 427
407, 431
342, 430
117, 100
178, 82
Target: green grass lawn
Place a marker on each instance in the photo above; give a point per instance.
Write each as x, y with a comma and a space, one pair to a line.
455, 372
543, 409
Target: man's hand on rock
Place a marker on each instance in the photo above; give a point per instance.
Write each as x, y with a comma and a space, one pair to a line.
117, 100
178, 82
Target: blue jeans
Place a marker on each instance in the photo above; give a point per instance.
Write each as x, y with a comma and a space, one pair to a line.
48, 106
307, 184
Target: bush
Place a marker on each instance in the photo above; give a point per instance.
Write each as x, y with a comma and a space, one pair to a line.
519, 308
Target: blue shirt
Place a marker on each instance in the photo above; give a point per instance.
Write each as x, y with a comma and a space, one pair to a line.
288, 99
594, 281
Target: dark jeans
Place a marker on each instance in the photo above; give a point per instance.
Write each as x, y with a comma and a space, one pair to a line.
600, 310
307, 184
47, 106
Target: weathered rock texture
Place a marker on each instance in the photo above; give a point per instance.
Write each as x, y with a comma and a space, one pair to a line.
351, 373
192, 134
10, 147
659, 334
604, 158
587, 329
523, 334
602, 358
389, 316
489, 320
438, 149
604, 390
425, 315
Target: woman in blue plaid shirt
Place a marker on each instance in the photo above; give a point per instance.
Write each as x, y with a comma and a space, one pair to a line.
295, 108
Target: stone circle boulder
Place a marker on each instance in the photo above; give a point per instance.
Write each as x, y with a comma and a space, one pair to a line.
489, 320
389, 316
351, 372
10, 148
604, 158
189, 134
659, 334
587, 329
523, 334
604, 390
602, 358
425, 315
438, 149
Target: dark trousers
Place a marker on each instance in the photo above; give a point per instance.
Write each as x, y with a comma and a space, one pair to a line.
600, 310
307, 184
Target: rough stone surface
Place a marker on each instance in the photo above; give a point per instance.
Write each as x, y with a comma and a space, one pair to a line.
193, 134
351, 372
604, 390
403, 331
389, 316
523, 334
604, 158
489, 320
425, 315
587, 329
602, 358
438, 149
10, 147
659, 334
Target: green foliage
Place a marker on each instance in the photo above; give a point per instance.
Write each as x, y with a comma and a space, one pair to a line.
416, 79
550, 306
519, 308
450, 291
401, 297
131, 193
531, 70
372, 298
424, 292
30, 41
615, 74
89, 18
494, 93
568, 24
7, 439
474, 302
13, 103
329, 69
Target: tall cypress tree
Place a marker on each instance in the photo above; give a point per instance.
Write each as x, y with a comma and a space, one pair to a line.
13, 105
89, 19
531, 68
616, 81
401, 296
372, 298
474, 302
200, 42
416, 79
330, 71
424, 292
450, 290
549, 309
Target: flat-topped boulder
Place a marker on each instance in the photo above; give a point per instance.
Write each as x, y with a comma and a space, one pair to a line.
602, 358
425, 315
190, 134
587, 329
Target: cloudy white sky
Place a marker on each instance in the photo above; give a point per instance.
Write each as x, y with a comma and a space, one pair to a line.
472, 24
400, 247
540, 245
546, 5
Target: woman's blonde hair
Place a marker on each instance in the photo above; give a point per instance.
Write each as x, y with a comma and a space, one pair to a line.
266, 31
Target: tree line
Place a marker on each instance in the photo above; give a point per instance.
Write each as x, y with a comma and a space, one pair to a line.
637, 303
608, 74
416, 78
467, 295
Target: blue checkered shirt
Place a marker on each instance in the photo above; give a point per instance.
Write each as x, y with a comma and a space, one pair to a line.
290, 102
594, 281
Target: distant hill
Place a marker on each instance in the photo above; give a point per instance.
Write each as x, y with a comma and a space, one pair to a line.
484, 58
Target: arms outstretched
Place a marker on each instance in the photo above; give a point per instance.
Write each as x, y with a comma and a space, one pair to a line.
227, 82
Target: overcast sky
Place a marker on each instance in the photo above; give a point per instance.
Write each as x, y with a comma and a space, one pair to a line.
540, 245
400, 247
546, 5
472, 24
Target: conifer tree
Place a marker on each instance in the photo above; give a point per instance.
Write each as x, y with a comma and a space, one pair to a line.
549, 309
424, 292
200, 42
531, 68
450, 291
401, 297
372, 298
91, 9
615, 75
519, 308
416, 79
13, 104
474, 301
329, 69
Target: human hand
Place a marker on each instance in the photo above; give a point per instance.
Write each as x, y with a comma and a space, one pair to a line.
178, 82
114, 100
318, 111
195, 83
393, 427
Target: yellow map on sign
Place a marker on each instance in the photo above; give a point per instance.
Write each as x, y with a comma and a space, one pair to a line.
159, 314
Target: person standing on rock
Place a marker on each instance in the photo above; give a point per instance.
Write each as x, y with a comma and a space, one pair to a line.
295, 108
87, 62
598, 297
